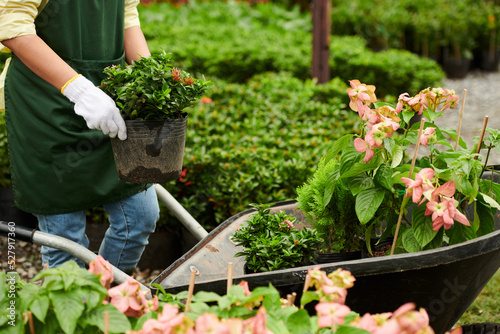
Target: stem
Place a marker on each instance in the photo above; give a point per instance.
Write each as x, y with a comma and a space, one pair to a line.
406, 198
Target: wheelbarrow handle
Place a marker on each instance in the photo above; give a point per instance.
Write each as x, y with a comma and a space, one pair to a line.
11, 230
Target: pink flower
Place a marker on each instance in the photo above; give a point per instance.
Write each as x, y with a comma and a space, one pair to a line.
359, 94
402, 100
103, 270
331, 314
342, 278
362, 146
333, 294
256, 324
444, 213
208, 323
125, 297
149, 304
428, 134
246, 289
421, 185
413, 189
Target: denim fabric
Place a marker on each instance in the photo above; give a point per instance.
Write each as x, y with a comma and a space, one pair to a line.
131, 221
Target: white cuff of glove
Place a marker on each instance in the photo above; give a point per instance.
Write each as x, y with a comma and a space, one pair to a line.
96, 107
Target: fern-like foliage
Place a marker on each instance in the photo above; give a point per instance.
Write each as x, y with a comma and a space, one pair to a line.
335, 217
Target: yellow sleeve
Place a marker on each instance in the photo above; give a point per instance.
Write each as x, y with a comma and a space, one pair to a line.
131, 13
17, 18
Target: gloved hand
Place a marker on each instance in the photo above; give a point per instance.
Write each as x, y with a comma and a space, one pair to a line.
96, 107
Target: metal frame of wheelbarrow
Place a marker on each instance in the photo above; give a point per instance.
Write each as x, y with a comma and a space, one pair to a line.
82, 253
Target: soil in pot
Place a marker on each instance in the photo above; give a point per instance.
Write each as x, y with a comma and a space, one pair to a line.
378, 248
153, 151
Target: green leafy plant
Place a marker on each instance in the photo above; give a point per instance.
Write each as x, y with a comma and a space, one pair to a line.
69, 300
72, 300
333, 217
373, 166
272, 242
151, 88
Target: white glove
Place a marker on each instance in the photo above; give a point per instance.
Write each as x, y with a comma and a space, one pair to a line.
96, 107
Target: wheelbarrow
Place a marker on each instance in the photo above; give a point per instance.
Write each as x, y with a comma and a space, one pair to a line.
82, 253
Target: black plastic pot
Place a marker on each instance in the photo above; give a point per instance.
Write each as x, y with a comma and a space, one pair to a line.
444, 281
456, 68
152, 152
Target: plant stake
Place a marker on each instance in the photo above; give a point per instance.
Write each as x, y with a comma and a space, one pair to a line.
190, 289
229, 276
483, 130
406, 198
106, 322
30, 320
460, 120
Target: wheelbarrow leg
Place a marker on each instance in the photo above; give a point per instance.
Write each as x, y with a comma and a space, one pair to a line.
178, 211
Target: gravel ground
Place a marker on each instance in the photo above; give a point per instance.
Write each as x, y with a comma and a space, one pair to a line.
480, 101
482, 94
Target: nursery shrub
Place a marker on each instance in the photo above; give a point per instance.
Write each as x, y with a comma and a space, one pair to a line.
234, 41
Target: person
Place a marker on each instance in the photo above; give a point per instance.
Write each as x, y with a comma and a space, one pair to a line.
59, 122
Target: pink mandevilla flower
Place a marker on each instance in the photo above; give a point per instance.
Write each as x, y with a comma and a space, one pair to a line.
362, 146
331, 314
426, 135
125, 297
103, 270
208, 323
422, 183
257, 324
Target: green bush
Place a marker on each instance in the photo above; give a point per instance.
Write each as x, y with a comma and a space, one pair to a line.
234, 42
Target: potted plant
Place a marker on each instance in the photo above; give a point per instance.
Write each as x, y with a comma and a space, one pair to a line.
271, 241
373, 168
153, 97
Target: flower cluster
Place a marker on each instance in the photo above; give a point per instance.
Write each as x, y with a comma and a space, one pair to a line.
441, 203
126, 297
171, 320
331, 290
251, 309
383, 121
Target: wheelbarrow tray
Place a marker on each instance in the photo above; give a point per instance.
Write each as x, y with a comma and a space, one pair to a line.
444, 281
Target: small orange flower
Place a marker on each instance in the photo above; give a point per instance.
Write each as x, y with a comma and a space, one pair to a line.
188, 81
206, 100
176, 74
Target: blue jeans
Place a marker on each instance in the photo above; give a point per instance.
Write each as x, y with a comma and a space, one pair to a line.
131, 221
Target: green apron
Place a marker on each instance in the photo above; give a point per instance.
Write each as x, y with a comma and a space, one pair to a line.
58, 164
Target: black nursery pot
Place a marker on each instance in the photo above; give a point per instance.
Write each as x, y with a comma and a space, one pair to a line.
152, 152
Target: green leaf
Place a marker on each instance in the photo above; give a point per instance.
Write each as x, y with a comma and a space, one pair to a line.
484, 220
359, 183
367, 203
118, 322
39, 307
205, 297
298, 322
410, 243
397, 156
344, 329
68, 307
383, 177
338, 146
422, 226
459, 233
307, 297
